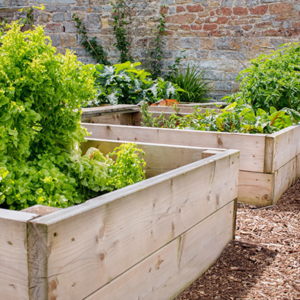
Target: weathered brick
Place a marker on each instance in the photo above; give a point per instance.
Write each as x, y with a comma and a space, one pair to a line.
258, 10
208, 27
227, 3
224, 11
194, 8
180, 9
54, 27
187, 43
196, 27
280, 8
181, 19
69, 27
240, 11
247, 27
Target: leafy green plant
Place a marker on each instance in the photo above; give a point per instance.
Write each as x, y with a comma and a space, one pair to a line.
272, 80
126, 84
128, 168
122, 43
192, 82
234, 118
91, 45
41, 95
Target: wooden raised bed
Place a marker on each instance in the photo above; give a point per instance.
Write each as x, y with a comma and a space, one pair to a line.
270, 163
146, 241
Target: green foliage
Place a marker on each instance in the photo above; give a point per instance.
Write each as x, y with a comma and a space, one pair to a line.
192, 82
126, 84
128, 168
272, 80
157, 52
91, 45
120, 31
40, 99
234, 118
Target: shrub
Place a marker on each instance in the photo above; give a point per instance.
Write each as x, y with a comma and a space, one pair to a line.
40, 99
195, 88
272, 80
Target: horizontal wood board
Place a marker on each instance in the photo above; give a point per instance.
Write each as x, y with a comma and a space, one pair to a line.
88, 242
159, 158
252, 147
13, 254
281, 147
168, 271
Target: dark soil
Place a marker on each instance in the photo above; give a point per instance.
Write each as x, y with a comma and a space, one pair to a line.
263, 262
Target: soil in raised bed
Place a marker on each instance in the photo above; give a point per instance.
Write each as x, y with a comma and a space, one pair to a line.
263, 262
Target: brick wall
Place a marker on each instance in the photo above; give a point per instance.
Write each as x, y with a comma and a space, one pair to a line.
219, 36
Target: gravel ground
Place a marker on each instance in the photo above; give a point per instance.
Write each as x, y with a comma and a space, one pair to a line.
263, 262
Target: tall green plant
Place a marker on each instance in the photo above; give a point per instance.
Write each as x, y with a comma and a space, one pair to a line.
122, 43
272, 80
91, 45
192, 82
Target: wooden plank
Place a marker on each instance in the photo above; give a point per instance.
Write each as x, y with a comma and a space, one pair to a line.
255, 188
113, 119
13, 254
284, 178
286, 146
173, 268
95, 242
159, 158
208, 153
251, 146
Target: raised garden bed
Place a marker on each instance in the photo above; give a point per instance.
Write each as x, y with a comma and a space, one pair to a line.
270, 163
146, 241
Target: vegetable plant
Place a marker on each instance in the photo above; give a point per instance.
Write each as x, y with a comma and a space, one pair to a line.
41, 95
234, 118
126, 84
272, 80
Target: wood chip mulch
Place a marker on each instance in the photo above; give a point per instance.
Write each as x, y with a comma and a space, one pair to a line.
263, 262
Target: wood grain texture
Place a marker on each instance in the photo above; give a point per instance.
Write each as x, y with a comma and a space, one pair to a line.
159, 158
286, 146
168, 271
95, 242
255, 188
13, 254
284, 178
251, 146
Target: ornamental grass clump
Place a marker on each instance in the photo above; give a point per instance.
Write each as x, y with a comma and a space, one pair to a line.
41, 95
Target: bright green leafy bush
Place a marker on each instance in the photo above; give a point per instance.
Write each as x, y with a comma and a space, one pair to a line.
272, 80
234, 118
40, 98
125, 84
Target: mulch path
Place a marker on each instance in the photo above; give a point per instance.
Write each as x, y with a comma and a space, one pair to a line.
263, 262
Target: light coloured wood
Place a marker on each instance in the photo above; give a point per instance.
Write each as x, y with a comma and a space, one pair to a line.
208, 153
40, 210
168, 271
252, 147
95, 242
285, 145
93, 112
159, 158
255, 188
284, 178
13, 254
